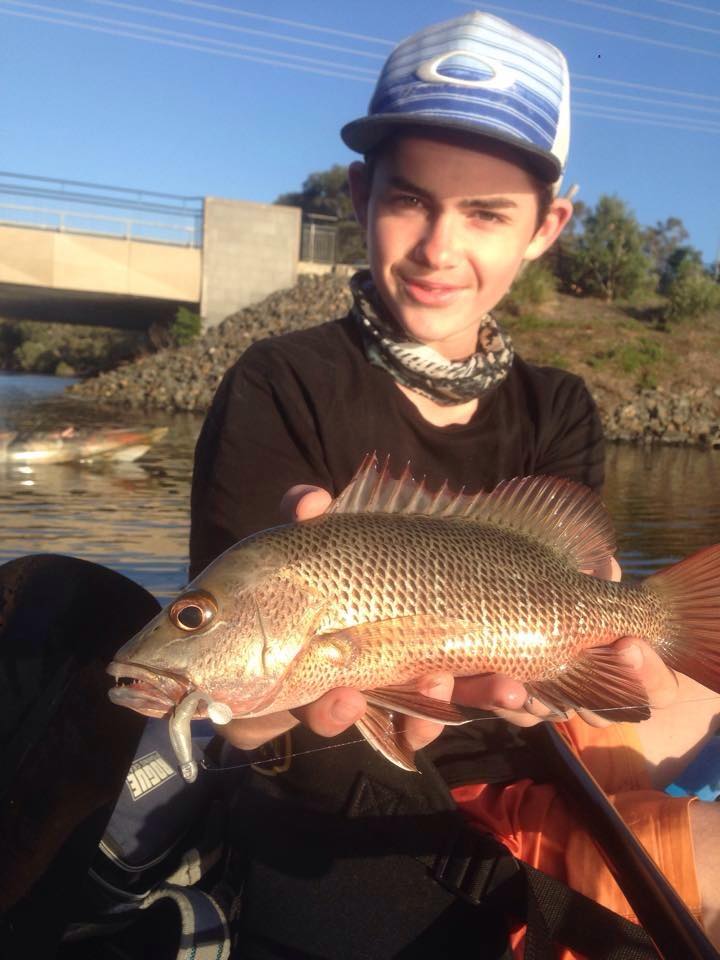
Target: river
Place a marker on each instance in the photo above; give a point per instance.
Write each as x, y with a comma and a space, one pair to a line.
134, 517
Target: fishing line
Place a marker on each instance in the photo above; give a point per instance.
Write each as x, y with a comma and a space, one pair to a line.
278, 759
281, 758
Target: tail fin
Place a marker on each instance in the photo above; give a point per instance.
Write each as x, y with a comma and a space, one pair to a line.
690, 590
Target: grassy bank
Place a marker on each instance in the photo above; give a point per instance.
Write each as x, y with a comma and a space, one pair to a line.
618, 348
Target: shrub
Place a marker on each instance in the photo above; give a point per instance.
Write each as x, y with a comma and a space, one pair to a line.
35, 357
37, 347
691, 294
638, 356
186, 326
10, 339
533, 286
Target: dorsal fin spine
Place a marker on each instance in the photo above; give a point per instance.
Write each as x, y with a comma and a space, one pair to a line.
561, 513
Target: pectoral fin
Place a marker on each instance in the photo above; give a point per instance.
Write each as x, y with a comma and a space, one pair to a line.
425, 627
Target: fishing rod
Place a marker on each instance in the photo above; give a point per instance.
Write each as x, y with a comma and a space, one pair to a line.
673, 930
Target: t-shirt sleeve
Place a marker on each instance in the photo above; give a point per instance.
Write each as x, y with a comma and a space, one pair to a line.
258, 440
570, 437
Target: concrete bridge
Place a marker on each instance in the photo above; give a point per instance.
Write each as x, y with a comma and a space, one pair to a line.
69, 256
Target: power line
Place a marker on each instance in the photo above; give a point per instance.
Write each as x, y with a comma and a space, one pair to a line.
607, 115
707, 126
330, 30
690, 6
364, 72
290, 23
652, 100
584, 26
611, 8
235, 29
391, 43
185, 46
326, 68
644, 86
226, 26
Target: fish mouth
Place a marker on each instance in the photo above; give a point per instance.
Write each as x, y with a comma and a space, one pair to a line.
150, 692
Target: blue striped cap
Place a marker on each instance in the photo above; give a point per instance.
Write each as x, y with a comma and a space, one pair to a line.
478, 74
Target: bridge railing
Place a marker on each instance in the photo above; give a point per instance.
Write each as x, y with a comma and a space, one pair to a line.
75, 206
74, 221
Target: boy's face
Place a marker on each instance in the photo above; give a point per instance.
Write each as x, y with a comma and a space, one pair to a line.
447, 227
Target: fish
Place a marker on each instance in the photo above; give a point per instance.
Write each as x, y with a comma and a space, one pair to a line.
70, 445
395, 582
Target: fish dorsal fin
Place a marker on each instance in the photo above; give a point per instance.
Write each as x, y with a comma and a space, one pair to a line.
562, 513
374, 490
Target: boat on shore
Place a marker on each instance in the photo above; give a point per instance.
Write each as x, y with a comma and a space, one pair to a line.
73, 445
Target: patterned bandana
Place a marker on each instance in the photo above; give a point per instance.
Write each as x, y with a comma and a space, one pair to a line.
418, 366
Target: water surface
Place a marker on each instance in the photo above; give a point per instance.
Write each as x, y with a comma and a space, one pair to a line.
134, 518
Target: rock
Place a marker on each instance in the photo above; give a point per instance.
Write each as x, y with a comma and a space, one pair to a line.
185, 378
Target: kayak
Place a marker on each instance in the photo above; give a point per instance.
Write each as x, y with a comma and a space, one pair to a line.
74, 445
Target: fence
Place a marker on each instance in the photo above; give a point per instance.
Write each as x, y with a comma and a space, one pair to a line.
75, 206
318, 242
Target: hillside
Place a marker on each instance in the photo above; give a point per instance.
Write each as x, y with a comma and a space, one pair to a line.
650, 383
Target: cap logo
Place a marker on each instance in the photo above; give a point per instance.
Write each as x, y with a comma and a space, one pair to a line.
496, 76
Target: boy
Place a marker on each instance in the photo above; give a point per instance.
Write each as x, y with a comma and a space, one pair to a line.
464, 143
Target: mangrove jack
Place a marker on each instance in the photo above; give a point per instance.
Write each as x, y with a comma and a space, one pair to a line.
394, 582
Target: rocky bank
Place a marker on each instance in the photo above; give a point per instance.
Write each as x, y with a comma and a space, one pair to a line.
185, 378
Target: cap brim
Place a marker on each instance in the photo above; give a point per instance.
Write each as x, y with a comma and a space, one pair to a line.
364, 134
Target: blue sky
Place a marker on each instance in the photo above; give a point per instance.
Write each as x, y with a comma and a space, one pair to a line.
244, 98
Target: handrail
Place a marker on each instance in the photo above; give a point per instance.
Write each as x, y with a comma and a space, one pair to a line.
190, 232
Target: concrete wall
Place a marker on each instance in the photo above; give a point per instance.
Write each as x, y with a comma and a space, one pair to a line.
113, 265
249, 251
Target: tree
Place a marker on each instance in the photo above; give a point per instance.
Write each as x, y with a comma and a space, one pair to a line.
661, 241
677, 263
327, 192
562, 256
609, 257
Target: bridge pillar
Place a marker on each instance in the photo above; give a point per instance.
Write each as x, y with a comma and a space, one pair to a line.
249, 251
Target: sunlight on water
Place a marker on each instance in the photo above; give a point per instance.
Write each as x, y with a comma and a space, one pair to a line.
664, 502
134, 517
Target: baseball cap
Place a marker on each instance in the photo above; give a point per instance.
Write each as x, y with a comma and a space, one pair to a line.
478, 74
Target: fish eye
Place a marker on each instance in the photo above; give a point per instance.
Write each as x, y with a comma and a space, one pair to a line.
192, 611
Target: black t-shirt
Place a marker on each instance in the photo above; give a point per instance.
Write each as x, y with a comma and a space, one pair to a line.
306, 407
